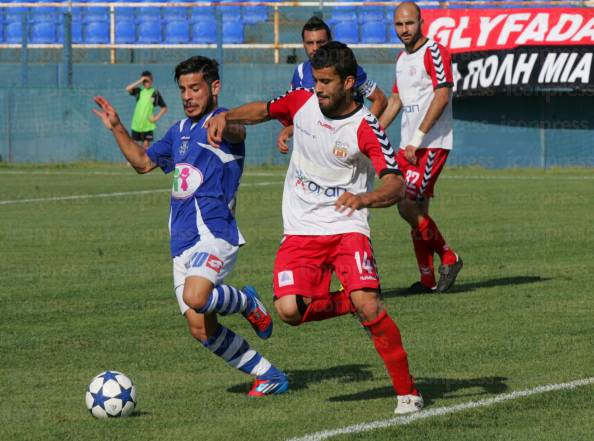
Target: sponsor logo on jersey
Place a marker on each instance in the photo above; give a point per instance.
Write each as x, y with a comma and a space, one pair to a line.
186, 180
327, 126
340, 150
312, 187
301, 129
285, 278
214, 263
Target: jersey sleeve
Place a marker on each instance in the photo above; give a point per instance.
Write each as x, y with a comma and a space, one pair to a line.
296, 80
159, 101
286, 106
374, 144
135, 91
161, 152
438, 64
365, 86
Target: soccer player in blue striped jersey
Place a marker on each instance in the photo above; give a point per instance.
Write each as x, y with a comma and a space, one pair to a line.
205, 239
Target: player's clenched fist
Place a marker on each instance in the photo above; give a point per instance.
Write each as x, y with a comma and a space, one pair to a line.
216, 126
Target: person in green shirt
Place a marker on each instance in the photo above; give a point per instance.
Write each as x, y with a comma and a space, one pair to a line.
147, 98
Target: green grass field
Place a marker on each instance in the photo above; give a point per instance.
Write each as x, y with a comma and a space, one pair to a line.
85, 285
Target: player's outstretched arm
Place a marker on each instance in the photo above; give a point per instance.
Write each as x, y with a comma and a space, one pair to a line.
135, 154
251, 113
392, 109
390, 192
379, 102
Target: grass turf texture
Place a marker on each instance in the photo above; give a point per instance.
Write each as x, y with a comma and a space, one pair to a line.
86, 286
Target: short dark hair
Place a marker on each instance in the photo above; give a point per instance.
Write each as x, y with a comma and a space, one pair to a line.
198, 64
316, 24
147, 73
338, 55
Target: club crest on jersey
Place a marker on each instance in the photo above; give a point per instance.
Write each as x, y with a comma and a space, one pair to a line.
183, 148
285, 278
186, 180
340, 150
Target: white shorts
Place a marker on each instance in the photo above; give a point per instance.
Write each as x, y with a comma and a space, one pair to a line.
211, 258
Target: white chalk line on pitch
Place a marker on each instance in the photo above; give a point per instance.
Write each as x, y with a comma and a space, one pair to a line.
114, 194
439, 411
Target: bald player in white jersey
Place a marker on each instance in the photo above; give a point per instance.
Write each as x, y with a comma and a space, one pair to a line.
423, 90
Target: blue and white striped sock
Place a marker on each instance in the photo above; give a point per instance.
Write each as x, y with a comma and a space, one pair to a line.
225, 299
237, 352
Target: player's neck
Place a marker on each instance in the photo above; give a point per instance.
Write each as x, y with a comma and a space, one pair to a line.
208, 111
414, 46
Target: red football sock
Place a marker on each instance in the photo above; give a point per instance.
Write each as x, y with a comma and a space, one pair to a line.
337, 304
436, 242
388, 343
424, 254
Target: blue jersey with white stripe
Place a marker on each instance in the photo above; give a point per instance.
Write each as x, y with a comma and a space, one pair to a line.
205, 180
303, 77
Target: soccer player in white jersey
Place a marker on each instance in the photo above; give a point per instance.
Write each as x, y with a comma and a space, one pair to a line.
423, 90
314, 34
338, 148
205, 239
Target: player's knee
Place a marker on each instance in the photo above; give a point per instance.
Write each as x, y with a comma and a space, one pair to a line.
194, 300
368, 304
288, 312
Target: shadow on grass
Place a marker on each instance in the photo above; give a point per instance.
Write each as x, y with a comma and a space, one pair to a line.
471, 286
139, 413
302, 378
433, 388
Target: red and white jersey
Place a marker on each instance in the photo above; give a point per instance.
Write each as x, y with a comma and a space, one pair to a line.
330, 156
418, 74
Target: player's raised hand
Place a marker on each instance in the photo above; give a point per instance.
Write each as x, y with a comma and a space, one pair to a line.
349, 201
281, 141
216, 126
108, 114
410, 154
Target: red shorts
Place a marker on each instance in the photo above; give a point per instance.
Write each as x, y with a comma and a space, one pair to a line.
304, 264
421, 178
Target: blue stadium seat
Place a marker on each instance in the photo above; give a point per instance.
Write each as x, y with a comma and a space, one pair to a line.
96, 32
204, 31
392, 36
373, 32
1, 26
176, 31
144, 14
43, 32
42, 14
346, 31
232, 32
371, 13
230, 13
340, 14
254, 14
175, 14
125, 29
149, 30
202, 14
14, 31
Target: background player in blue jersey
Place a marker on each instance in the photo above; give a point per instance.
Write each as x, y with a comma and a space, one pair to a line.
205, 239
316, 33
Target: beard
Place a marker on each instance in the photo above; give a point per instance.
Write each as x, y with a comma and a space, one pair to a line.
334, 104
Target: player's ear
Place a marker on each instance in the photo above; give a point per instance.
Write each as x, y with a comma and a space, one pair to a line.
349, 82
215, 87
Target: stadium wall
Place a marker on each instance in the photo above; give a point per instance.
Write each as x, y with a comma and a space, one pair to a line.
46, 123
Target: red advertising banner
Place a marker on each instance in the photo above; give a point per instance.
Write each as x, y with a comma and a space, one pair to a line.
471, 30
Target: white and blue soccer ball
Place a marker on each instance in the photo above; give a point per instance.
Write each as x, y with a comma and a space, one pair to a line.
111, 394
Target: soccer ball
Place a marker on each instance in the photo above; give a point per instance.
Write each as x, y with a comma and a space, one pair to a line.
111, 394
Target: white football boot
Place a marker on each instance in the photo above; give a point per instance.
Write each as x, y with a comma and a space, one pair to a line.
408, 404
